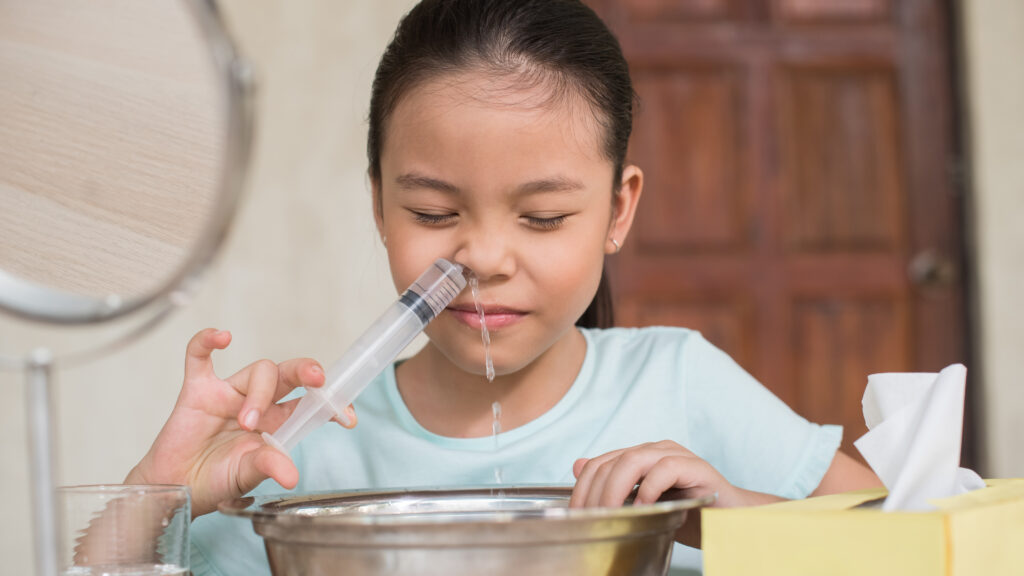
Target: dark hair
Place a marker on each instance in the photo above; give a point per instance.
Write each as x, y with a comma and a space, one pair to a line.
561, 44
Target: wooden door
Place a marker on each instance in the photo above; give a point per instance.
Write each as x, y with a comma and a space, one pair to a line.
798, 207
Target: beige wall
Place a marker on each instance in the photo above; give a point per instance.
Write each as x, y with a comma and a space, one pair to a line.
994, 42
303, 270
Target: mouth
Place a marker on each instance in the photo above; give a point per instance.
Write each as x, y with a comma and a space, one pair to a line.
497, 317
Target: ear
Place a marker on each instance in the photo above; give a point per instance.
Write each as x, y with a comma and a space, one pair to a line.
624, 207
378, 206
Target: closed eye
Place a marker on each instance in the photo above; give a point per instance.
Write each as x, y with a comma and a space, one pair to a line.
434, 219
547, 223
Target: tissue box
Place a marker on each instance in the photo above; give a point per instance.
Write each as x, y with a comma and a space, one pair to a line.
980, 532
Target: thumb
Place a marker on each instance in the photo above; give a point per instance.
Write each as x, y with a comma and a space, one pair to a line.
577, 467
262, 463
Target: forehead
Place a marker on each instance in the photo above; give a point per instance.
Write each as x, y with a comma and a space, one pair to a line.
470, 113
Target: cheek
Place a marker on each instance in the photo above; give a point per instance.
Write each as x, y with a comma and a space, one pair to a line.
571, 273
410, 250
408, 260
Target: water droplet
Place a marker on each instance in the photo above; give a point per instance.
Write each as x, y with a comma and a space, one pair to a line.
495, 430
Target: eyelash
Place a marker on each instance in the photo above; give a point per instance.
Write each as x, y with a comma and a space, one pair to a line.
552, 223
433, 219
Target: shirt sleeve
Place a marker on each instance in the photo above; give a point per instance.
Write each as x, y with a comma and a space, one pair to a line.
747, 433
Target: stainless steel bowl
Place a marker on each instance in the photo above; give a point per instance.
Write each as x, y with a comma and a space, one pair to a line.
527, 530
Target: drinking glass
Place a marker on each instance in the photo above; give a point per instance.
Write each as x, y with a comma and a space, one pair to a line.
127, 530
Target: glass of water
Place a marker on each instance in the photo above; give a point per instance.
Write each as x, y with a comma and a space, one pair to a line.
127, 530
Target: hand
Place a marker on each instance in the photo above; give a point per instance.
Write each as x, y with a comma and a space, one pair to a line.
211, 440
608, 479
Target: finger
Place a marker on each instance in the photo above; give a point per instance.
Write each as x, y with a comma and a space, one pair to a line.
262, 383
198, 361
299, 372
276, 415
583, 481
289, 375
577, 466
670, 447
265, 462
258, 388
597, 485
348, 419
665, 474
628, 470
585, 476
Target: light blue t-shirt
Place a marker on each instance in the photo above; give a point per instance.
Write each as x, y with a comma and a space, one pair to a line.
636, 385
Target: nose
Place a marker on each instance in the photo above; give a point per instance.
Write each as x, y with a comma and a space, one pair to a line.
489, 253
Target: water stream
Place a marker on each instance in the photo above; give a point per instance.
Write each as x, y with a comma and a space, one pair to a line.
474, 285
485, 336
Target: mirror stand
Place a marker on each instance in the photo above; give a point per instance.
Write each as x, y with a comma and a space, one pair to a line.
39, 404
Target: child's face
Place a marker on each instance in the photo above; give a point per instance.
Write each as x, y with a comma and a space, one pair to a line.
512, 186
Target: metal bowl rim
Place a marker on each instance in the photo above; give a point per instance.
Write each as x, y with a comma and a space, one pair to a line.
255, 507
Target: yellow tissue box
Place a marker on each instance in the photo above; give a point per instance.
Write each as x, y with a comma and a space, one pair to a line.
980, 532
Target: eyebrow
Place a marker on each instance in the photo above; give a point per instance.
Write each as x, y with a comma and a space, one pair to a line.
412, 181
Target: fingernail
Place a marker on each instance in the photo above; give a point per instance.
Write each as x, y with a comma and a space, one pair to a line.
252, 418
316, 369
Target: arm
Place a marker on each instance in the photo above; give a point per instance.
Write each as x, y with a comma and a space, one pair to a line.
846, 474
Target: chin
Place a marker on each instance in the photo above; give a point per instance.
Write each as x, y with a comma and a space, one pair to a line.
473, 361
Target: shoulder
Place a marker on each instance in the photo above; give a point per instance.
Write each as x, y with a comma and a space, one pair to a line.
658, 356
664, 354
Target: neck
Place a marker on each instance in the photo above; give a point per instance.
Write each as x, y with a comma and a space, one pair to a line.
449, 401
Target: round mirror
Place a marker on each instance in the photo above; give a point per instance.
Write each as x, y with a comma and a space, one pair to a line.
124, 132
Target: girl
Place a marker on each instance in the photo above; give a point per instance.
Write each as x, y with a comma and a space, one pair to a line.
497, 139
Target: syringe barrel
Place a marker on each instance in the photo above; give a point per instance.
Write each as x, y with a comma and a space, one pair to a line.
375, 349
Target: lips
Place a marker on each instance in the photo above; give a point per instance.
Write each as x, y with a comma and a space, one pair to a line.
497, 317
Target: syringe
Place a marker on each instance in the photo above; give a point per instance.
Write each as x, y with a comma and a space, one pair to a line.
372, 352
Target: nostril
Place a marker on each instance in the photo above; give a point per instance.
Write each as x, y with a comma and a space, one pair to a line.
488, 259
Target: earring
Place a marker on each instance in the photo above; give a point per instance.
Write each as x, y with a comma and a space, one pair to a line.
384, 241
617, 245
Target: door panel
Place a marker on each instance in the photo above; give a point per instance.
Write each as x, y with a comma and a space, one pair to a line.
842, 181
691, 147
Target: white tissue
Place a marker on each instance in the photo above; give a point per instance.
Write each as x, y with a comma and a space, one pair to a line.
915, 424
